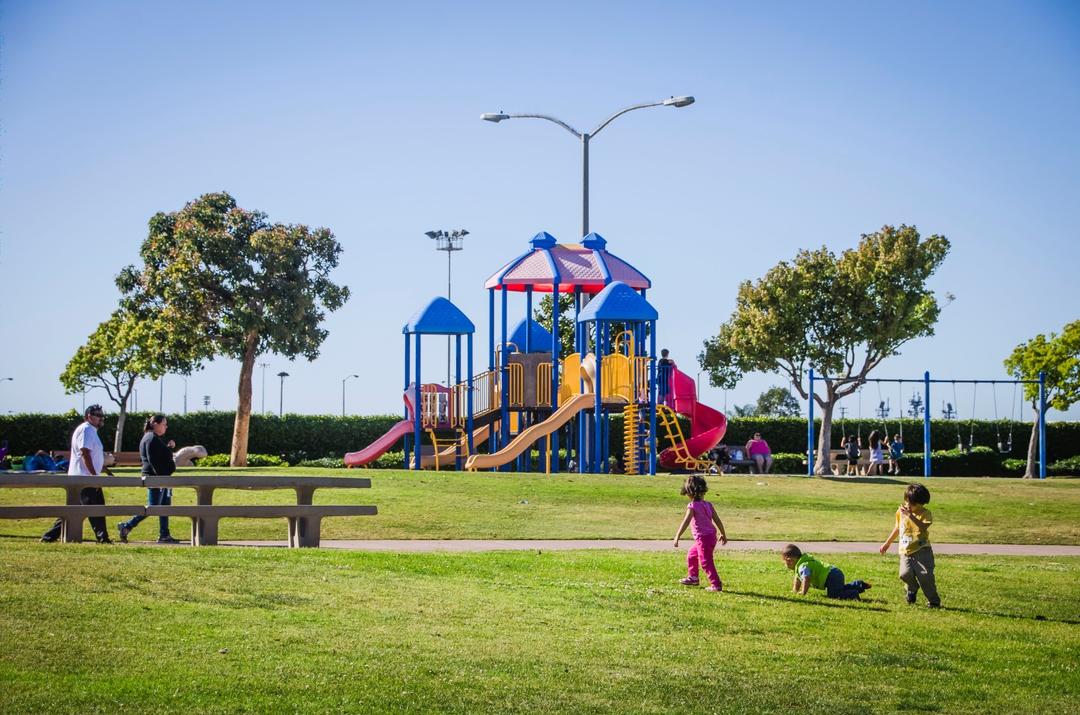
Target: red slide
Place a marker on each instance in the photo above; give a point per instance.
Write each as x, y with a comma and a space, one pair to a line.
377, 448
707, 426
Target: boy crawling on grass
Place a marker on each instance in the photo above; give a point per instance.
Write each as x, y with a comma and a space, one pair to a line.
809, 572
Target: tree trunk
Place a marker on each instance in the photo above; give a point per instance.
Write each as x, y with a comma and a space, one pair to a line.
238, 456
1032, 470
118, 441
823, 458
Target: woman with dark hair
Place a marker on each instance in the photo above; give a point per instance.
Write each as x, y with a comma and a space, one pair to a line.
157, 461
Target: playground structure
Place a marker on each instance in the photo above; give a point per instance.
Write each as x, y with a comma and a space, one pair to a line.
532, 398
1004, 444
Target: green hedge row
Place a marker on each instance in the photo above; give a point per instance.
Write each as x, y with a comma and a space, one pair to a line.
300, 437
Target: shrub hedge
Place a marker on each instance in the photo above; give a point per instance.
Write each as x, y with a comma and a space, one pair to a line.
299, 438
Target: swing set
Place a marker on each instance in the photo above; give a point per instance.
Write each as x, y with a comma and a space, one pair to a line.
1004, 439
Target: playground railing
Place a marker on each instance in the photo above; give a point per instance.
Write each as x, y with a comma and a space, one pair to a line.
543, 384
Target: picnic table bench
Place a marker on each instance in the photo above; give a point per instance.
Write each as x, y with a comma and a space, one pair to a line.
304, 518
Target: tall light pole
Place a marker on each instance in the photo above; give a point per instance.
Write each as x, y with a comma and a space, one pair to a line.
343, 393
161, 396
448, 241
264, 365
585, 137
281, 393
185, 393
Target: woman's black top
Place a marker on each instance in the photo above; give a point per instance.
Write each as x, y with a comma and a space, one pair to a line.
157, 458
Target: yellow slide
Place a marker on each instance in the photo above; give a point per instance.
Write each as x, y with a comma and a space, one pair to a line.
447, 455
523, 441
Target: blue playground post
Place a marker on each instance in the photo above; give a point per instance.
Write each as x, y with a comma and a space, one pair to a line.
416, 408
405, 440
1042, 425
926, 425
810, 429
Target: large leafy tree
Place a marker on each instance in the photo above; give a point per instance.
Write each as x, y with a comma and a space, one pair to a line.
1058, 356
777, 401
121, 350
566, 320
239, 285
841, 315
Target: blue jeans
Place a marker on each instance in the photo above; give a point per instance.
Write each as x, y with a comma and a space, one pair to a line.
836, 588
154, 497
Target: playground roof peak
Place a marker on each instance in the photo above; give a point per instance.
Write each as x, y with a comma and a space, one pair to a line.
539, 337
618, 301
587, 266
439, 317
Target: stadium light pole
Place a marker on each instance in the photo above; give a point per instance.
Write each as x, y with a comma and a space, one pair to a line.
585, 137
281, 393
448, 241
343, 392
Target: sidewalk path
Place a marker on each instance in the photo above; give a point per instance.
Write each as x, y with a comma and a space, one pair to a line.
821, 547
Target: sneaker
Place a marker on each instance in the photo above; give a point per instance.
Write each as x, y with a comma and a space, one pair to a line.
104, 540
168, 540
863, 585
716, 589
933, 605
124, 531
48, 539
910, 597
689, 581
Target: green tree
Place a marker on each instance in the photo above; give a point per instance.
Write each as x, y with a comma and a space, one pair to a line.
839, 315
238, 285
1058, 356
566, 320
777, 402
747, 410
121, 350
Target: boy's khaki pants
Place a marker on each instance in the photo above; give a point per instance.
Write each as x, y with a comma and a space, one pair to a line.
917, 571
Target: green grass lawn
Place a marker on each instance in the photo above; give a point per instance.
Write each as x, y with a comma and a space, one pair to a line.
451, 505
89, 628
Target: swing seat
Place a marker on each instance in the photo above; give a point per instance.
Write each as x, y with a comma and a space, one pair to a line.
1004, 447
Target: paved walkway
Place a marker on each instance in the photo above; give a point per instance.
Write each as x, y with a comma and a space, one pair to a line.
821, 547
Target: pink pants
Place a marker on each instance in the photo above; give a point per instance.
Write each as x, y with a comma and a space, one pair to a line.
700, 554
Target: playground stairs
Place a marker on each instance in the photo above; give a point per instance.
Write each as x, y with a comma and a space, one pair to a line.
667, 420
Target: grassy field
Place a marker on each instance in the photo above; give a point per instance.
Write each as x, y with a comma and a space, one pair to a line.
89, 629
515, 506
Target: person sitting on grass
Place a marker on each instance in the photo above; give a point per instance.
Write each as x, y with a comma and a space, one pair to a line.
810, 572
701, 517
913, 520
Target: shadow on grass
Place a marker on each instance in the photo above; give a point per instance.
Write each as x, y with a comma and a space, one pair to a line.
1014, 616
865, 480
834, 603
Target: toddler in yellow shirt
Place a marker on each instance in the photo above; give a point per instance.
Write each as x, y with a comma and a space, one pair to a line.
913, 520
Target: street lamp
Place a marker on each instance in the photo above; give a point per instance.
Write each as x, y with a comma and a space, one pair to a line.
185, 393
343, 393
281, 393
264, 365
585, 137
448, 241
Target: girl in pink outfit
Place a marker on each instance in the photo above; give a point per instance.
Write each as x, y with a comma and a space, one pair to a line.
700, 516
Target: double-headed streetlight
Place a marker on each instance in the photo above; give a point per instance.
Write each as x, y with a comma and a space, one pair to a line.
281, 393
264, 365
448, 241
585, 137
343, 392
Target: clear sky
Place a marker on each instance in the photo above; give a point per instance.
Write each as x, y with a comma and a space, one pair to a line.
814, 122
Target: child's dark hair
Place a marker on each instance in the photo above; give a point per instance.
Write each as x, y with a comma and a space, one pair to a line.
917, 494
151, 421
695, 487
791, 551
874, 439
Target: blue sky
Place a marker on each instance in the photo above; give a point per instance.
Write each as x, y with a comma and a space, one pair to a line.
813, 124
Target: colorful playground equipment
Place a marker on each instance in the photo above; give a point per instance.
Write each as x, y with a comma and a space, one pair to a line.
537, 409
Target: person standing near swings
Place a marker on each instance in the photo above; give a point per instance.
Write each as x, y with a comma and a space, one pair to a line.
157, 461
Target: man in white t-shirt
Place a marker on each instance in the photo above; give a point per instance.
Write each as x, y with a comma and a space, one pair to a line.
87, 459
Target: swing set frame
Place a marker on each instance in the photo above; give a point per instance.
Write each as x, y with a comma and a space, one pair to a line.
926, 382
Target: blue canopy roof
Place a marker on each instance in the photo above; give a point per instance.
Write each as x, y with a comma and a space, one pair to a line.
539, 337
618, 301
439, 317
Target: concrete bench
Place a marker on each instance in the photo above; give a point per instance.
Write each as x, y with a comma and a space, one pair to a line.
305, 520
72, 529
